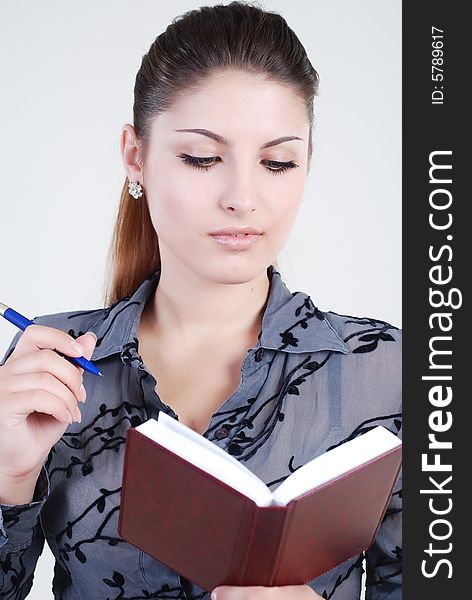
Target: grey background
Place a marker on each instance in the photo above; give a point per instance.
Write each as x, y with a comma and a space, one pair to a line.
67, 75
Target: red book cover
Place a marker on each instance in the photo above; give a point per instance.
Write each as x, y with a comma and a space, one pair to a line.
215, 535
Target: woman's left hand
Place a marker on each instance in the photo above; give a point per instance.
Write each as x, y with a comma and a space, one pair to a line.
259, 592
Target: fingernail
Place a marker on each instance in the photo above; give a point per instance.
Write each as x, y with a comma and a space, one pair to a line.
92, 333
213, 596
83, 393
77, 348
79, 416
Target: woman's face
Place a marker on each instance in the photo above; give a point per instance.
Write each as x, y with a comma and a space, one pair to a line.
246, 177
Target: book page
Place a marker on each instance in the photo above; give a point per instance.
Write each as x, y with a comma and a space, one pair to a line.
201, 452
336, 462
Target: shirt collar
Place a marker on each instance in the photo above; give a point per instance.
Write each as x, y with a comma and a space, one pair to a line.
290, 323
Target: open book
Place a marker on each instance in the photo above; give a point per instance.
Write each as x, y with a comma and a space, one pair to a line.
200, 511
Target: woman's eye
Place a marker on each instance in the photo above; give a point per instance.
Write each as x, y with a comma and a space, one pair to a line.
205, 163
199, 162
276, 166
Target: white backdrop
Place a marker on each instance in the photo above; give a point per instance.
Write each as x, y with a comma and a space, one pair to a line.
67, 74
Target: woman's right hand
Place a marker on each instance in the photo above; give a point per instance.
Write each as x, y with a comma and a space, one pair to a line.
39, 392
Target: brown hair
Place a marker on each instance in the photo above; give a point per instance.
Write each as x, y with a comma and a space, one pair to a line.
239, 35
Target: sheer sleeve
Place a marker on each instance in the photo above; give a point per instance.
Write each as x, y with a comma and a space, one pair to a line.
21, 536
383, 559
21, 542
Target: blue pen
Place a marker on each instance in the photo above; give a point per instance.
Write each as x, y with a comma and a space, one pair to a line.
22, 322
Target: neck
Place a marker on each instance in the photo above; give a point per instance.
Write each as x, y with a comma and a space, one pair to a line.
189, 308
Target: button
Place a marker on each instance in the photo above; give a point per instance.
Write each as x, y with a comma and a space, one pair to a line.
222, 433
235, 450
259, 354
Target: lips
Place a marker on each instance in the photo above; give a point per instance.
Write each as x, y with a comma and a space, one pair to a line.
236, 238
236, 231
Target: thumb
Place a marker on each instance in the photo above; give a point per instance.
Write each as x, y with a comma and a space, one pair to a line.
88, 342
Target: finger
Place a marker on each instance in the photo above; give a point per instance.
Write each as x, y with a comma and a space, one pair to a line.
47, 383
42, 402
88, 341
236, 592
39, 337
259, 592
48, 361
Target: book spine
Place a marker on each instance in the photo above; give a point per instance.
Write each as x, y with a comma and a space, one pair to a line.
289, 512
387, 502
258, 548
121, 506
240, 554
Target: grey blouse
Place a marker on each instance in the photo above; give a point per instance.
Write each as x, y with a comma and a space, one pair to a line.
313, 381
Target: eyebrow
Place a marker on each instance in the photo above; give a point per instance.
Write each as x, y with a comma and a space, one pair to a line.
221, 140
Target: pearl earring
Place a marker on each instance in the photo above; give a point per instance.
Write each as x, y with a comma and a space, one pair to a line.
135, 189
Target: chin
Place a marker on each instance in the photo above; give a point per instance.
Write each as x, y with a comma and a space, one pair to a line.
234, 272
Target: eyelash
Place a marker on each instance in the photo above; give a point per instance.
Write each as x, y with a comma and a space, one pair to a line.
196, 162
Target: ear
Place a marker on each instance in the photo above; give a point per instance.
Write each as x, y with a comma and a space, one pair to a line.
130, 153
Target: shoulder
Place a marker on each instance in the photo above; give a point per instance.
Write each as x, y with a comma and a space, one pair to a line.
370, 342
364, 335
75, 323
371, 370
373, 363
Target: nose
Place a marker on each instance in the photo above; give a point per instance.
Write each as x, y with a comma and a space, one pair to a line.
241, 204
240, 195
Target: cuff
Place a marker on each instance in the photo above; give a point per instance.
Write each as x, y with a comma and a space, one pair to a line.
17, 522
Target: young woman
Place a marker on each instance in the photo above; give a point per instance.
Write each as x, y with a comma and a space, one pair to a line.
198, 323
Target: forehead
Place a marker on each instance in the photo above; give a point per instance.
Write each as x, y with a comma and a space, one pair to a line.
238, 103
